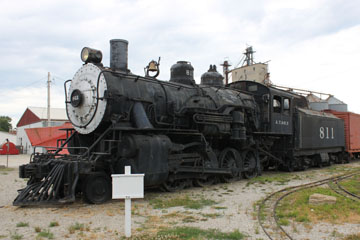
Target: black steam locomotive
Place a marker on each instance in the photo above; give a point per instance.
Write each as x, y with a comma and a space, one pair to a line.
176, 132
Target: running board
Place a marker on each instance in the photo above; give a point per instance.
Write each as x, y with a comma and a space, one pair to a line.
203, 170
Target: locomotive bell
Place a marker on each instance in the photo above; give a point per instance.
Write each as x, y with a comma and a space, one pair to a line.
153, 66
182, 72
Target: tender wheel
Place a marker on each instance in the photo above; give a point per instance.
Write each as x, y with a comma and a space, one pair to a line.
203, 182
289, 165
318, 161
304, 164
249, 164
174, 185
230, 158
346, 158
97, 188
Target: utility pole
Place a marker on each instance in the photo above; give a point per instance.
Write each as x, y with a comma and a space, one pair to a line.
48, 100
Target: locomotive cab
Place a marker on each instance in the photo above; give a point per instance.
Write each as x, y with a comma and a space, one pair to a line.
277, 106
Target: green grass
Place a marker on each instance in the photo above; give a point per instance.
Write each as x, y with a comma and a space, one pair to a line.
296, 207
22, 224
211, 215
219, 207
189, 219
2, 236
283, 222
46, 234
184, 201
75, 227
197, 233
279, 178
16, 236
353, 237
53, 224
352, 185
5, 169
340, 169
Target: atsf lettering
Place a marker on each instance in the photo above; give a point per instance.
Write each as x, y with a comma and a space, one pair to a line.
281, 122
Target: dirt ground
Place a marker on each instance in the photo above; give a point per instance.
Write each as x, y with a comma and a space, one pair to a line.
232, 209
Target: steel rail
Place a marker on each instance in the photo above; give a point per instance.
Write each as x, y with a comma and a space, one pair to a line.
346, 191
287, 191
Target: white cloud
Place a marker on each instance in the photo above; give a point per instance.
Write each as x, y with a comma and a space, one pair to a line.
326, 64
14, 102
307, 41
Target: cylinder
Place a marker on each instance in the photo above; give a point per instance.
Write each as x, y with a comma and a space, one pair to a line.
119, 54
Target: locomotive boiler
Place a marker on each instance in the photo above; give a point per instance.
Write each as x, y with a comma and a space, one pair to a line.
177, 132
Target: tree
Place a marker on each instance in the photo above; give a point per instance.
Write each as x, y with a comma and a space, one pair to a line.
5, 124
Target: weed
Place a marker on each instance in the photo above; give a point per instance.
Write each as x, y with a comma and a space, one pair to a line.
185, 201
336, 234
189, 219
5, 169
279, 178
296, 206
22, 224
283, 222
171, 215
352, 185
293, 214
353, 237
46, 234
75, 227
197, 233
2, 236
16, 236
302, 219
211, 215
37, 229
219, 207
53, 224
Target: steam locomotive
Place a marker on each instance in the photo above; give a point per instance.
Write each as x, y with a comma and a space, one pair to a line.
177, 132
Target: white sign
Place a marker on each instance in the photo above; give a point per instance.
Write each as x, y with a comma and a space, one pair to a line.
127, 186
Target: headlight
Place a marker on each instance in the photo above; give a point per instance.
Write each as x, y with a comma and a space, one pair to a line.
91, 55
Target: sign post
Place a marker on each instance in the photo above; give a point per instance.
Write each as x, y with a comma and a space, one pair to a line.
127, 186
7, 153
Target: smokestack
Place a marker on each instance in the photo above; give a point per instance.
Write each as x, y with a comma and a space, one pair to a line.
119, 54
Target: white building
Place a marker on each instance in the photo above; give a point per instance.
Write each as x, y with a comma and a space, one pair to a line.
6, 135
35, 117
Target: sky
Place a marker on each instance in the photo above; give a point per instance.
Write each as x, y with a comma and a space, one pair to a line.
310, 44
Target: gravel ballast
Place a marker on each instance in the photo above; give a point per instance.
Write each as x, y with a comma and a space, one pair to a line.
232, 208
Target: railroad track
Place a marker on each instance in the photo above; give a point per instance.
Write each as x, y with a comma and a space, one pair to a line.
336, 187
267, 218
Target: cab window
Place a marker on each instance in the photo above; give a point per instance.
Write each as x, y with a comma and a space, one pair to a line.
286, 106
277, 104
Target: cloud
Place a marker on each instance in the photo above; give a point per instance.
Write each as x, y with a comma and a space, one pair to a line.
14, 102
306, 40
